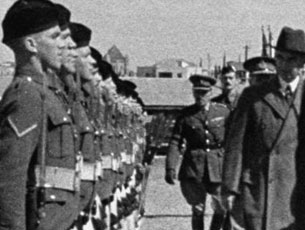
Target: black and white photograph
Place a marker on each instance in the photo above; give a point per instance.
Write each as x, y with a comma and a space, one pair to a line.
152, 115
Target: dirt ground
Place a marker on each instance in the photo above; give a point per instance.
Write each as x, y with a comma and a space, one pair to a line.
165, 207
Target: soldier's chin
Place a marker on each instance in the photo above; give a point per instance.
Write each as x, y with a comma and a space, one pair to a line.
70, 69
56, 66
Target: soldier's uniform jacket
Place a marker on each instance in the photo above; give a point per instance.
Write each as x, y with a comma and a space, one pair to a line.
90, 103
106, 145
203, 131
86, 146
20, 147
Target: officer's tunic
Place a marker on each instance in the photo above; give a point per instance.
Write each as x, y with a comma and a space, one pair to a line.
203, 130
20, 147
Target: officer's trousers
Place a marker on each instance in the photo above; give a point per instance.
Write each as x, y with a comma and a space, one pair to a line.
195, 194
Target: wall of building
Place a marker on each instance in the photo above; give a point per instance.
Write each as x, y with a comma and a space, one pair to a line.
146, 71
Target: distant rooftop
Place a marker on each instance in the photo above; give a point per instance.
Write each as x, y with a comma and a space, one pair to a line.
175, 62
172, 92
115, 54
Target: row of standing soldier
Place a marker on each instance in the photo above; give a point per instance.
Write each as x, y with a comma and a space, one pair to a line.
72, 132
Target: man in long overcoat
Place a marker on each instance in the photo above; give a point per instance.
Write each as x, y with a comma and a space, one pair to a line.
260, 160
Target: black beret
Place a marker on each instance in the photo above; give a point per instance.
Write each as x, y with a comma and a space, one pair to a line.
129, 86
97, 56
28, 17
260, 65
64, 16
202, 82
125, 87
80, 34
107, 71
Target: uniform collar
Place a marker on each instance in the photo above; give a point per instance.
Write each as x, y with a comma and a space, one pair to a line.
31, 73
204, 108
54, 82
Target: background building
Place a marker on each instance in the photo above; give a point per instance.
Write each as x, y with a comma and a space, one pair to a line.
118, 61
163, 98
169, 68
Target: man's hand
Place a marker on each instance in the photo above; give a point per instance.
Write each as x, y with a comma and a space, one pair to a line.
170, 176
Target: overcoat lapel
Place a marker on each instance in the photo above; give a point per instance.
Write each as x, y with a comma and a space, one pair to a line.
275, 100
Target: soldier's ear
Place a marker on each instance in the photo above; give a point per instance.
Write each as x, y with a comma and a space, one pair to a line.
30, 44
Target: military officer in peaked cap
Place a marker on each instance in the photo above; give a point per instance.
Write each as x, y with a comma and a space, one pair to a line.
202, 126
39, 182
261, 69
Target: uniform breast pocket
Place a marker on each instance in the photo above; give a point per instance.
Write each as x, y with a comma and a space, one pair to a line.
85, 127
194, 133
60, 134
217, 128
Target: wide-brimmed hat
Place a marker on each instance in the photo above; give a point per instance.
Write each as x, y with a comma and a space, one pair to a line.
260, 65
202, 82
291, 40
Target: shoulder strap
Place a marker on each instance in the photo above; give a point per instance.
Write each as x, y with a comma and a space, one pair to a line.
43, 145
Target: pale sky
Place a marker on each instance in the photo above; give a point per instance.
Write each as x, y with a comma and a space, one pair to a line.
152, 30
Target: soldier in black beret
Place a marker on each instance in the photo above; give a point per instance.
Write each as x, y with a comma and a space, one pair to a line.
38, 181
202, 126
86, 114
261, 69
97, 56
69, 53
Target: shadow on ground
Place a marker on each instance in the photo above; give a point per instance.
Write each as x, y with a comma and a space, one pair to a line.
166, 216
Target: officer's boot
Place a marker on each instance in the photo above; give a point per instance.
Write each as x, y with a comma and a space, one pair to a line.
217, 221
197, 217
219, 214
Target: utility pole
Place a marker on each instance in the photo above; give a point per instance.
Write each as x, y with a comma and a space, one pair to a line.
246, 47
200, 62
224, 60
270, 38
209, 62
